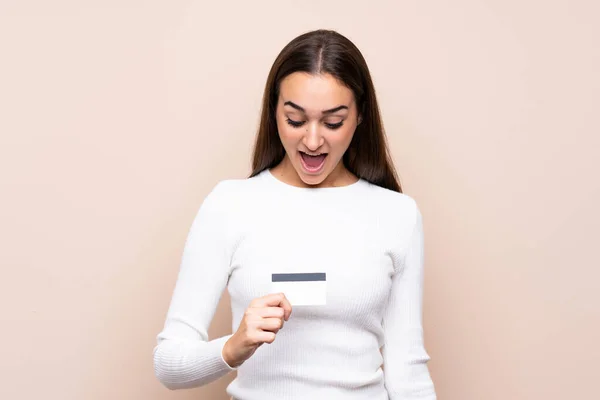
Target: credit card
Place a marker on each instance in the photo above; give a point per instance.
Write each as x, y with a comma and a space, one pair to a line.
301, 289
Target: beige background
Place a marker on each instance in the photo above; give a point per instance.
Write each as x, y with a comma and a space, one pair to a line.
117, 117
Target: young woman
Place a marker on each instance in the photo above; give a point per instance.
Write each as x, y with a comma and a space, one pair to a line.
323, 203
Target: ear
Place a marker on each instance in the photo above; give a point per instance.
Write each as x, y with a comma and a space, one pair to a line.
359, 119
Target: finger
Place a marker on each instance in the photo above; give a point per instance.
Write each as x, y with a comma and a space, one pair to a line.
267, 337
258, 337
270, 312
271, 324
287, 307
275, 300
270, 300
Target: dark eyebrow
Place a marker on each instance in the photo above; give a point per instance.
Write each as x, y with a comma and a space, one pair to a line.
330, 111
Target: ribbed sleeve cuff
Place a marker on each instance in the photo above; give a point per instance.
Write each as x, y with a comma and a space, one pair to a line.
180, 365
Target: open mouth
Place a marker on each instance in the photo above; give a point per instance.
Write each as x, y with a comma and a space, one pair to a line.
313, 163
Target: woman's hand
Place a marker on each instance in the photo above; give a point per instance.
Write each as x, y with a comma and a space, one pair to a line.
262, 320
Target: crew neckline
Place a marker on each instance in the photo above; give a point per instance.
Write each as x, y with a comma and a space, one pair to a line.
269, 175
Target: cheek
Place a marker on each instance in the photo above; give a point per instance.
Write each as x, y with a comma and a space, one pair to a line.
288, 134
342, 137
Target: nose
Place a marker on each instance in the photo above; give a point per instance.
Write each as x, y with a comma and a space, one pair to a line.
312, 137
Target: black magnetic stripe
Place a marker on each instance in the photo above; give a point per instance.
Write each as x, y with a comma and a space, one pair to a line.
319, 276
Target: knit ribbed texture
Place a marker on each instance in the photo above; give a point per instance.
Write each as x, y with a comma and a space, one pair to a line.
366, 343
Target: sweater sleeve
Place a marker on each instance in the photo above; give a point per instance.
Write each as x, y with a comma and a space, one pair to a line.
405, 358
183, 356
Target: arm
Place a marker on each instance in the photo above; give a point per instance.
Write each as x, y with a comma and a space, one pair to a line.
183, 357
405, 359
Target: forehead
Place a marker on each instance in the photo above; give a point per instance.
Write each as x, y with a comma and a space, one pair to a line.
315, 92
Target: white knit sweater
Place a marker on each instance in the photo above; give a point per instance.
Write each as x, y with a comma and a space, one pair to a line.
369, 242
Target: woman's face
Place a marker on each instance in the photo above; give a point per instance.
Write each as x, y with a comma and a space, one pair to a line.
316, 119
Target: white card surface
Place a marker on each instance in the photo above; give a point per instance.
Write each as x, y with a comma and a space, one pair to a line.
301, 289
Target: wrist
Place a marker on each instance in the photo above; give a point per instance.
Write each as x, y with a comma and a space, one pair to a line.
226, 353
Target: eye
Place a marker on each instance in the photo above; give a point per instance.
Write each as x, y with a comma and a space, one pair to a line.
295, 124
334, 126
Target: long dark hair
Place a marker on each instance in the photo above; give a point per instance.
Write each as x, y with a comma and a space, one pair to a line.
328, 52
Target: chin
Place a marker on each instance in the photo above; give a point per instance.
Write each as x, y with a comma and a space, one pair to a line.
312, 179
